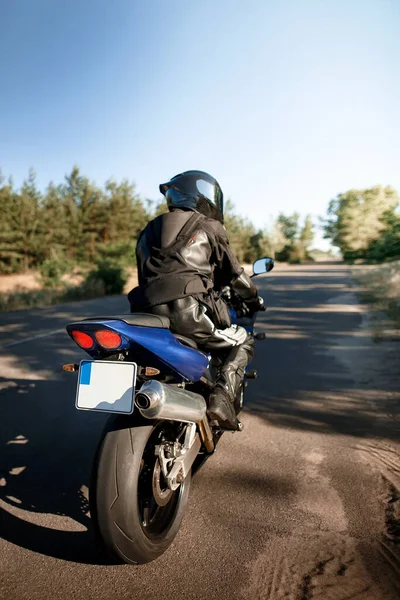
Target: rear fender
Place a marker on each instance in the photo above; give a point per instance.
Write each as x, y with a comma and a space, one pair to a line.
151, 344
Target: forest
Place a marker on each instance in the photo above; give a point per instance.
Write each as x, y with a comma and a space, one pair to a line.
78, 227
78, 222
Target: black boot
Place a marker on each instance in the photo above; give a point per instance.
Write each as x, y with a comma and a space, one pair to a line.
220, 407
221, 404
222, 398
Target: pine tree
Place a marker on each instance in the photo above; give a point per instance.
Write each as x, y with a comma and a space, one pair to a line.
307, 233
54, 233
71, 193
11, 255
126, 214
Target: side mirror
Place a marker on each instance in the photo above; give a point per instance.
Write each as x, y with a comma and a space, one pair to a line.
263, 265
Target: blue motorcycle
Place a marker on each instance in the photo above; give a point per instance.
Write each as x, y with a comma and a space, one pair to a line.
155, 385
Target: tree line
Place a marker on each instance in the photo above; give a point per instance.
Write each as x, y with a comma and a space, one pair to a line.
78, 222
73, 220
365, 224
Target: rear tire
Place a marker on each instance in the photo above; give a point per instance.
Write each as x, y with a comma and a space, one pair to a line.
132, 526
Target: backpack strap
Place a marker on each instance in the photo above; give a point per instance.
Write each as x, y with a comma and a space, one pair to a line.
184, 234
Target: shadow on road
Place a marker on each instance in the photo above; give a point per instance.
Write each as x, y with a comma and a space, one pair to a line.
46, 451
44, 470
320, 369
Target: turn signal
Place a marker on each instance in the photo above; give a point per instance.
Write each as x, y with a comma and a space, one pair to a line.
151, 372
82, 339
71, 368
108, 339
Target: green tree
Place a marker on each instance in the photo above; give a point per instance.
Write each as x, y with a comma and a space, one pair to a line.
274, 239
307, 233
127, 214
71, 192
298, 252
240, 232
257, 245
53, 228
91, 220
355, 219
26, 220
289, 226
11, 255
387, 246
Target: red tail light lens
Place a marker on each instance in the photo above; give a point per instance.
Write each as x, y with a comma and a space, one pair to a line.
108, 339
82, 339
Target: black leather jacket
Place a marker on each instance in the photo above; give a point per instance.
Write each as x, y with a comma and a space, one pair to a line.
183, 253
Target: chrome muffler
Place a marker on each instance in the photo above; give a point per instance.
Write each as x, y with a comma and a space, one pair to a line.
156, 400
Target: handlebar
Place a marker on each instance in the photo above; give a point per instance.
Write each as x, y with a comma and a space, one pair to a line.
234, 301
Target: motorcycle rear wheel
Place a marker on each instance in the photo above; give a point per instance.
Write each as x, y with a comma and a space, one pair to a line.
135, 518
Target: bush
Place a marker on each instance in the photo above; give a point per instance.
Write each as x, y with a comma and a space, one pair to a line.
297, 254
52, 269
119, 253
23, 299
108, 276
382, 288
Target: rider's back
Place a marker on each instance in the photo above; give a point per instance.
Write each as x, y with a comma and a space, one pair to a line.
179, 254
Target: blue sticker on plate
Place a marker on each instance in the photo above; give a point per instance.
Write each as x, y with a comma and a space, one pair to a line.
84, 374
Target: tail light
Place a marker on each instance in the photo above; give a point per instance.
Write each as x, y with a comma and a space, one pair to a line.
110, 340
82, 339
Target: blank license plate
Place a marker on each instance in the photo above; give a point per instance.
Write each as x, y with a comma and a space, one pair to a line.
106, 386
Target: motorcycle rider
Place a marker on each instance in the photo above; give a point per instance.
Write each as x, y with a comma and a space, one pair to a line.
184, 260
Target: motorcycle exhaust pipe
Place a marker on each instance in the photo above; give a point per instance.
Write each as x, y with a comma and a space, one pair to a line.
156, 400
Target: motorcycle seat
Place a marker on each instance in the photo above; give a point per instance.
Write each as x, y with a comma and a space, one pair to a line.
138, 319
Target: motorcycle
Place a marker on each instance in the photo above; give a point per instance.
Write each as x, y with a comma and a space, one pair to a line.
155, 385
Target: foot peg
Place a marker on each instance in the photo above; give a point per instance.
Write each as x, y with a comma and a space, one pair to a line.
252, 374
239, 426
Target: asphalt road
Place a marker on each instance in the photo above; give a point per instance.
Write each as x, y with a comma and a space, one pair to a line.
303, 504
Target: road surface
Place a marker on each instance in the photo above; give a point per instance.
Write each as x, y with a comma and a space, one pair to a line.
303, 504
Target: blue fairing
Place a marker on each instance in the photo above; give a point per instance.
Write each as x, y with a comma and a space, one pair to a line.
151, 346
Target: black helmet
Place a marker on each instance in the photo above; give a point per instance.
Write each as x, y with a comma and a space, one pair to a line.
196, 191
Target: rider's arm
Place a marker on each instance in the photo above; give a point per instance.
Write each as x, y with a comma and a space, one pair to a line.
229, 272
140, 254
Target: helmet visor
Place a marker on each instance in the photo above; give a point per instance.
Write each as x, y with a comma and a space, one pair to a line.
212, 192
177, 198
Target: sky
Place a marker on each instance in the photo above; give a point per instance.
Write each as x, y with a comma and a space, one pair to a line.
286, 103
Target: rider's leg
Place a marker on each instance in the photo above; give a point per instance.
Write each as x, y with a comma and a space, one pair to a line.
190, 317
221, 401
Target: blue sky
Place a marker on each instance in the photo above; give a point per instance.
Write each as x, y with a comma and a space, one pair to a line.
286, 103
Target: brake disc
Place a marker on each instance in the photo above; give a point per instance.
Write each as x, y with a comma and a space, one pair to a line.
162, 495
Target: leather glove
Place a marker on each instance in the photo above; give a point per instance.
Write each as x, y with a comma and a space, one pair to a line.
256, 304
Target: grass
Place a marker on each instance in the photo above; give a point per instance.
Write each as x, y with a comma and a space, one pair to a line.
380, 286
28, 299
24, 292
